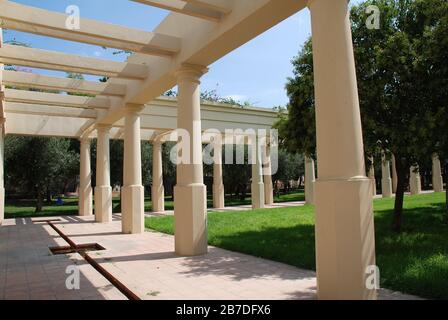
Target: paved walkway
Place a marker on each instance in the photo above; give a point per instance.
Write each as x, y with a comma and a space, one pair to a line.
145, 263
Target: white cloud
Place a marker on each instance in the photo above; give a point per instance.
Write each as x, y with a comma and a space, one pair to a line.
97, 53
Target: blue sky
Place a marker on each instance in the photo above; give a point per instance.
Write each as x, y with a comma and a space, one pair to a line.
255, 72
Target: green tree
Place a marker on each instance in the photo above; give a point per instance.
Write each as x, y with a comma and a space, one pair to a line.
290, 167
39, 165
394, 81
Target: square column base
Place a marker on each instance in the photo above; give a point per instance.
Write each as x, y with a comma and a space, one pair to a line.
133, 207
257, 195
415, 186
218, 196
2, 205
309, 192
158, 199
438, 184
345, 238
103, 204
190, 220
386, 186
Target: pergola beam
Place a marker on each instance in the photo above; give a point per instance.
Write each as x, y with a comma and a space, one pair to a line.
223, 6
52, 99
49, 110
38, 21
36, 58
185, 7
204, 44
38, 81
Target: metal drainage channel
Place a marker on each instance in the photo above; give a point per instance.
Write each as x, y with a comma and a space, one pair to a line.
82, 251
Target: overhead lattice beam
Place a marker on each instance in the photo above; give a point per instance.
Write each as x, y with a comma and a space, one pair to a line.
184, 7
38, 21
50, 111
37, 81
52, 99
223, 6
36, 58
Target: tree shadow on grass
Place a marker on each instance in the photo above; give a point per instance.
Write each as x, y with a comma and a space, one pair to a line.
414, 261
293, 245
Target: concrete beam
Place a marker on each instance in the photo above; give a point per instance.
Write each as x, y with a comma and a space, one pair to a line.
36, 58
51, 99
185, 7
38, 21
37, 81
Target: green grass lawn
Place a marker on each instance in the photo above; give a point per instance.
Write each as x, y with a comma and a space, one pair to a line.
26, 208
414, 262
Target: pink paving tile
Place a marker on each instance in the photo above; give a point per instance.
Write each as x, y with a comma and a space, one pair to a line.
145, 263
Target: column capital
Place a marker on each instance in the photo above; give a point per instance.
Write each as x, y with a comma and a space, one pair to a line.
192, 72
156, 142
103, 127
85, 140
134, 108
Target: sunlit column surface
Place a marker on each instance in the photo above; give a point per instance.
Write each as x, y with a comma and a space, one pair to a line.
415, 181
218, 182
372, 176
103, 189
386, 180
267, 177
437, 179
257, 186
157, 191
133, 192
190, 196
85, 180
310, 180
345, 244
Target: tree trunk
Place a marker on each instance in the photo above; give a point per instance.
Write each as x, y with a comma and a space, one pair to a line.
446, 192
402, 169
243, 192
40, 199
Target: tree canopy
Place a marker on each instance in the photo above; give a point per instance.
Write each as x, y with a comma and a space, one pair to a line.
402, 81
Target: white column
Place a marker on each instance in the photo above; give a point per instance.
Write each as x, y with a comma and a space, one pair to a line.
157, 190
345, 242
190, 196
2, 182
103, 189
257, 186
386, 180
415, 182
372, 176
133, 192
310, 180
394, 175
218, 183
267, 177
85, 180
437, 179
2, 134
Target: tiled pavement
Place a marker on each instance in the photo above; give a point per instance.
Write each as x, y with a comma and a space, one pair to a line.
145, 263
